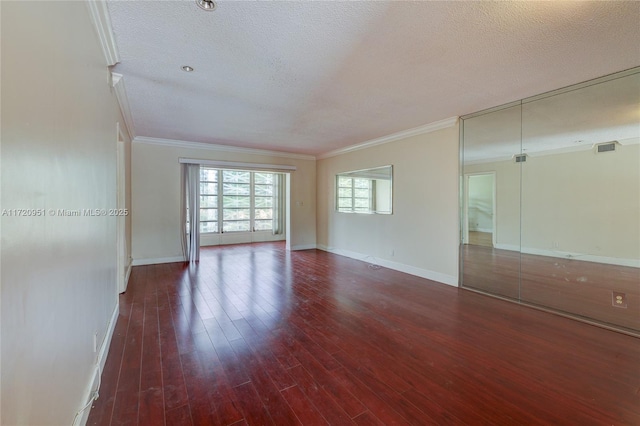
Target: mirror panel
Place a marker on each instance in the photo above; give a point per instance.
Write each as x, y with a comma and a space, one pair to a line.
581, 207
491, 202
565, 232
367, 191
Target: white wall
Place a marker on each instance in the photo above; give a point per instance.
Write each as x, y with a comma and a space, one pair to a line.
577, 203
421, 236
58, 152
156, 198
583, 203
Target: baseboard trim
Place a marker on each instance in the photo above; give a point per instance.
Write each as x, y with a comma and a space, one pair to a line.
488, 230
634, 263
155, 261
303, 247
99, 367
128, 274
396, 266
106, 342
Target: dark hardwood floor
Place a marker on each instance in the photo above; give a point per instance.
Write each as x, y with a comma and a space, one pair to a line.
260, 336
569, 285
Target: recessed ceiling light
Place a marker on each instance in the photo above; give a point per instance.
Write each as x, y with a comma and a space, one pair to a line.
207, 5
187, 68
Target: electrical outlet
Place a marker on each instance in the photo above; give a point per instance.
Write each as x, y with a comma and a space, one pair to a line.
619, 300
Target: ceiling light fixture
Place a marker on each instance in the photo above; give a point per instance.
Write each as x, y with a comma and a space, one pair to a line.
207, 5
187, 68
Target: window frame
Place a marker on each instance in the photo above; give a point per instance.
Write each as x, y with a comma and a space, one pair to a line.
220, 222
353, 209
380, 190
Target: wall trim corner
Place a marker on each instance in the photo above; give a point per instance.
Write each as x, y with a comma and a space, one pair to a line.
427, 128
101, 21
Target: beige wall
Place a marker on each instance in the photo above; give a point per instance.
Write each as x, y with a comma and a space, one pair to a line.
578, 203
421, 236
583, 203
156, 198
58, 152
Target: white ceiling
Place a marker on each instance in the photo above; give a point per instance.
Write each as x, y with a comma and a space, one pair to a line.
568, 121
312, 77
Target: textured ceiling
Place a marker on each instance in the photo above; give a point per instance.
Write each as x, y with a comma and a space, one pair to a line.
311, 77
572, 120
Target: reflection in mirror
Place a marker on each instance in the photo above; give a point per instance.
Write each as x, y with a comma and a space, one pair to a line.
365, 191
491, 202
562, 172
581, 201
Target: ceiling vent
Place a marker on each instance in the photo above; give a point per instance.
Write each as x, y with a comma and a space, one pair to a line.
606, 147
521, 158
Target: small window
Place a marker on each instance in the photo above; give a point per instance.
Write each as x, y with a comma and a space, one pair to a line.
365, 191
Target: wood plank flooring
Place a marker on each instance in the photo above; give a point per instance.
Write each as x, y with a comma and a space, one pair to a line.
256, 335
568, 285
481, 238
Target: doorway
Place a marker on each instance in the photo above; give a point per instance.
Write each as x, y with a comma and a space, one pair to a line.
122, 256
480, 209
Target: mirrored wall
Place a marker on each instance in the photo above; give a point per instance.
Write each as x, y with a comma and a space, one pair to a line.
551, 201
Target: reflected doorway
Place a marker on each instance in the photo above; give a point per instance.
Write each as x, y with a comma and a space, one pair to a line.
480, 208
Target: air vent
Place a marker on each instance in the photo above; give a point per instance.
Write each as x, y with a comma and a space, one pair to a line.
606, 147
520, 158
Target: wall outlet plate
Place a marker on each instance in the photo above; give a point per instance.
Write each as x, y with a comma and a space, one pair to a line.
619, 300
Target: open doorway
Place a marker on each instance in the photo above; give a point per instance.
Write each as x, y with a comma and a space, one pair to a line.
122, 260
480, 209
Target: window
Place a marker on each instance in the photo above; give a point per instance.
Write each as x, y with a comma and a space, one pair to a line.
354, 194
365, 191
263, 201
236, 200
208, 200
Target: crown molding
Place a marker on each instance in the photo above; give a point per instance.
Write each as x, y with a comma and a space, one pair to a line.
102, 24
238, 165
431, 127
117, 82
215, 147
554, 151
629, 141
